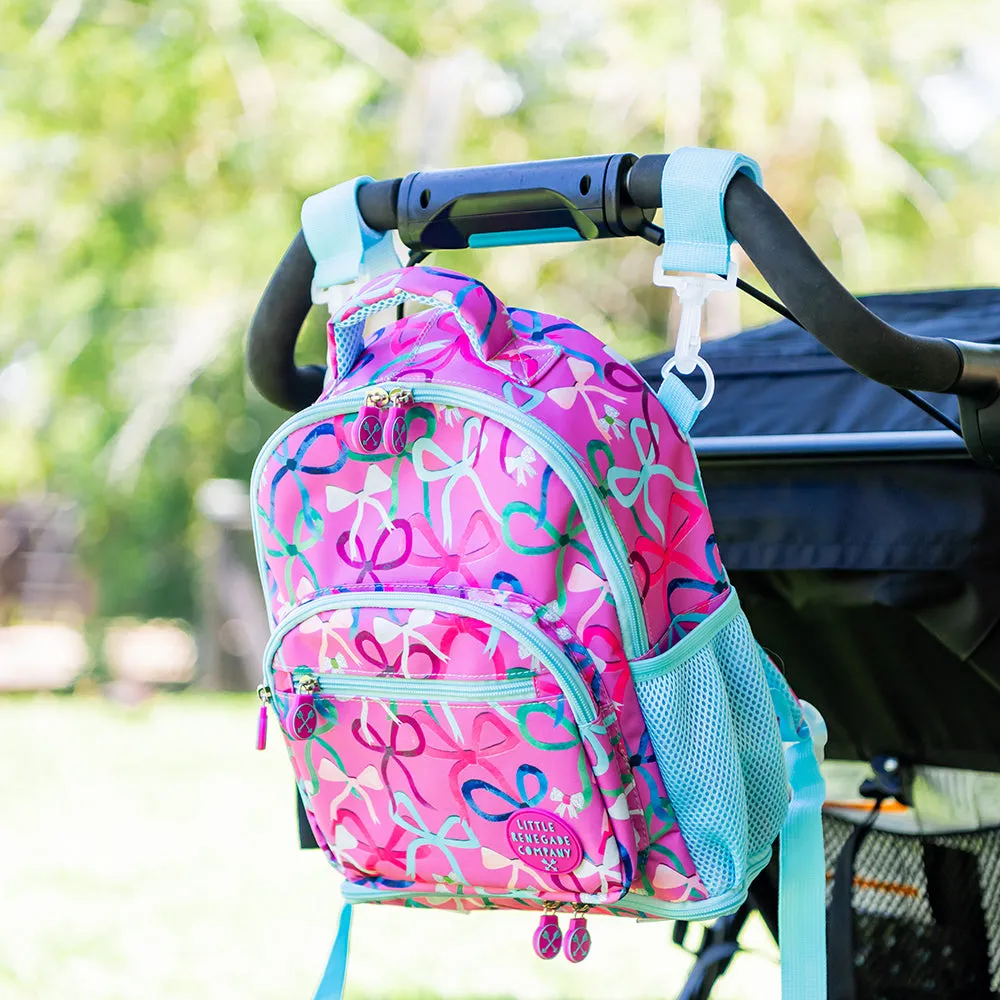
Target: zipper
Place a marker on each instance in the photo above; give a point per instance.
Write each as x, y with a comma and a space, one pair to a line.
408, 689
547, 650
608, 543
704, 909
264, 693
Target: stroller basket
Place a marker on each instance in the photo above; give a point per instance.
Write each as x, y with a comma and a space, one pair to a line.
926, 912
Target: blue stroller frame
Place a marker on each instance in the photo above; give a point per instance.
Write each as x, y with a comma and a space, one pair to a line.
861, 527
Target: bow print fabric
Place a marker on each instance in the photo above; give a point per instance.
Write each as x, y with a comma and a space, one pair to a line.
411, 792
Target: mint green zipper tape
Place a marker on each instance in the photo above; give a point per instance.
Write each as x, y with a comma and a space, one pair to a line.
608, 544
547, 650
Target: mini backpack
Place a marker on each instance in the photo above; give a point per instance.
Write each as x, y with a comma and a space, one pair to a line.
506, 659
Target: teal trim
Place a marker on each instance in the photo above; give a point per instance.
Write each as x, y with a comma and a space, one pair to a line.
408, 689
693, 189
548, 652
802, 878
701, 909
609, 546
524, 237
331, 986
677, 655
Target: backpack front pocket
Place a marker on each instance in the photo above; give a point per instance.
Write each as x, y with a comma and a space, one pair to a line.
452, 746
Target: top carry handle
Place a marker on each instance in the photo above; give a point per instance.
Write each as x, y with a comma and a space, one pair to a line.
586, 198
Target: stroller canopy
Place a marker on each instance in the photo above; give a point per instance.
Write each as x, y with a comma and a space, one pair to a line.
863, 540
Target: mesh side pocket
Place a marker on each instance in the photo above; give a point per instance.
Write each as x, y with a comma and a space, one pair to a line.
692, 734
758, 739
714, 729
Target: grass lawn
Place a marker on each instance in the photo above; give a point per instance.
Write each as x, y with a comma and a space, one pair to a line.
151, 853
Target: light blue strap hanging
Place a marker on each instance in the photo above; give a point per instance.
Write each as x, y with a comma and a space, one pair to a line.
802, 889
331, 986
679, 401
341, 242
693, 186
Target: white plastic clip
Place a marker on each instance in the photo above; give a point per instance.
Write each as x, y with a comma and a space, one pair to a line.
692, 290
333, 297
817, 729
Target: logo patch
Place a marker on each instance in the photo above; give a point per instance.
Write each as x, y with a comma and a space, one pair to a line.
544, 841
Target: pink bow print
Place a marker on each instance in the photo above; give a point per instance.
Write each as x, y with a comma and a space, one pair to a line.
481, 746
390, 749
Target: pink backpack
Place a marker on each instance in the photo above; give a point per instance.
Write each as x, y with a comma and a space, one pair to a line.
506, 659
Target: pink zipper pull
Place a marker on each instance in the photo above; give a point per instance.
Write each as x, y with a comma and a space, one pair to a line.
264, 693
548, 936
394, 429
368, 426
576, 944
301, 720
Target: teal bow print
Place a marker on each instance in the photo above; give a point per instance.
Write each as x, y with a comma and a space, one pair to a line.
648, 468
305, 534
453, 471
562, 540
425, 837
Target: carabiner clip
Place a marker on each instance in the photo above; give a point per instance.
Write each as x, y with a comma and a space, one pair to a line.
692, 290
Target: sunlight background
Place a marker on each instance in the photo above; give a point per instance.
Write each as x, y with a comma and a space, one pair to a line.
153, 160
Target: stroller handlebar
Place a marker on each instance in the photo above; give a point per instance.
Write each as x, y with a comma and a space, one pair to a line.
598, 197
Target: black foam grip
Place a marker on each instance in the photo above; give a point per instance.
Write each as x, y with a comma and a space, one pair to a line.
274, 330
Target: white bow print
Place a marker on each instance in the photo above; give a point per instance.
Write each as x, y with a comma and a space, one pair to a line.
343, 841
497, 862
566, 396
522, 466
330, 629
679, 887
368, 778
606, 870
387, 630
338, 499
567, 804
582, 580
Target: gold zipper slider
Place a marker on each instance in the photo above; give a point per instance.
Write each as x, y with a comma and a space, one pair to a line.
368, 426
400, 397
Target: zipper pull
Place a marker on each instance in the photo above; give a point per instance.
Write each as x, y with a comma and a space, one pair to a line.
368, 426
548, 935
395, 431
300, 722
576, 945
264, 693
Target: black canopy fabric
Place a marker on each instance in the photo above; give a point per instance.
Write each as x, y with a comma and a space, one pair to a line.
778, 379
875, 582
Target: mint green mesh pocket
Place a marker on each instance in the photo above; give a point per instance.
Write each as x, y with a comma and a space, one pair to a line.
713, 729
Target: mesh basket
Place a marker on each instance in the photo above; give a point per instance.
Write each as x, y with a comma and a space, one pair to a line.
926, 913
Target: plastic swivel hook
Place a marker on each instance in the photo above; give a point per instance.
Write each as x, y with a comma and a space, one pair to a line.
693, 291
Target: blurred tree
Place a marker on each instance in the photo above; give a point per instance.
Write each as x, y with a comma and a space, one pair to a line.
154, 155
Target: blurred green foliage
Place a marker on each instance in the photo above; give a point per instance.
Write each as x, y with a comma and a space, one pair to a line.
154, 156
